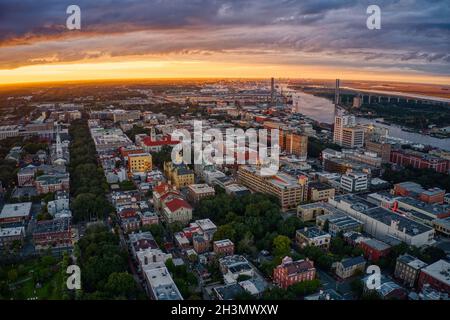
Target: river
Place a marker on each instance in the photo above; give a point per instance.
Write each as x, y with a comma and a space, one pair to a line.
322, 110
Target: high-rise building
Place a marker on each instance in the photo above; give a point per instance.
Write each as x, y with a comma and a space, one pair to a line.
296, 103
342, 121
382, 149
336, 96
294, 143
352, 137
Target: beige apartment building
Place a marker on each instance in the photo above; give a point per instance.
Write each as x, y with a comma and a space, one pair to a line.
287, 189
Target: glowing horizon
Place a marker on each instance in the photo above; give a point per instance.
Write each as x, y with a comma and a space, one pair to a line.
190, 69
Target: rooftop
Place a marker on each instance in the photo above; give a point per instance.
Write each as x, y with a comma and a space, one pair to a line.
319, 186
281, 180
162, 284
353, 261
228, 292
10, 232
340, 220
201, 188
387, 217
433, 209
16, 210
312, 232
295, 267
206, 224
55, 225
412, 261
177, 203
411, 187
439, 270
376, 244
327, 294
223, 243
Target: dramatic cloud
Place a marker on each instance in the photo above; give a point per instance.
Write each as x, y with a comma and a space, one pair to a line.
415, 34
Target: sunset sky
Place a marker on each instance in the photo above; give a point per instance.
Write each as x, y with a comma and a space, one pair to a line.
212, 38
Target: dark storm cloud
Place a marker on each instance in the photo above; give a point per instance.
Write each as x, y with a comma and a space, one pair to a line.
413, 31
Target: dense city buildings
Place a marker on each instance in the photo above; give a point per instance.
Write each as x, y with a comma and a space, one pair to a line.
336, 204
133, 155
419, 160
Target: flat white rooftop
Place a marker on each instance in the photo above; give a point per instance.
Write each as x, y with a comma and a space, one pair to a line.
16, 210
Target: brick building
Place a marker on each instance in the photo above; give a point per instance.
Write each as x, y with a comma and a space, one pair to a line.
407, 269
437, 275
419, 160
223, 247
374, 249
54, 233
290, 272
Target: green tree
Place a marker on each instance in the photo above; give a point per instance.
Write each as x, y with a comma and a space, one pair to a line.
305, 287
281, 246
225, 232
121, 284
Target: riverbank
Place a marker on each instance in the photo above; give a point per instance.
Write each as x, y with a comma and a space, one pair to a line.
322, 110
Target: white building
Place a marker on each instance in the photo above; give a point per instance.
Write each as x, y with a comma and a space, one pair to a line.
234, 266
15, 213
60, 207
296, 103
8, 131
340, 122
380, 222
150, 258
211, 176
354, 182
161, 284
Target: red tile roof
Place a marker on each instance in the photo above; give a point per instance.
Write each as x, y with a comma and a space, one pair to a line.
166, 140
176, 204
163, 187
167, 194
297, 267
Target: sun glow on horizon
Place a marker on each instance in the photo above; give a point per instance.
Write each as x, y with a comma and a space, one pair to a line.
195, 68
